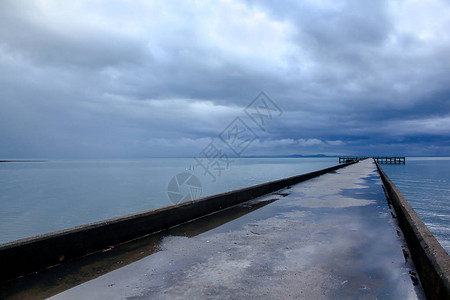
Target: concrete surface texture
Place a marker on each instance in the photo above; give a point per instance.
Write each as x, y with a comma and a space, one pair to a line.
332, 237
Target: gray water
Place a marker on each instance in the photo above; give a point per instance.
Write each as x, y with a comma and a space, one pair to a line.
425, 183
37, 198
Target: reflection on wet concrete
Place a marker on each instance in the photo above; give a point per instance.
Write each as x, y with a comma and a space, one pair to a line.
332, 237
60, 278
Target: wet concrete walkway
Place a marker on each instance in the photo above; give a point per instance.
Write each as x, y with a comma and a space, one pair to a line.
332, 237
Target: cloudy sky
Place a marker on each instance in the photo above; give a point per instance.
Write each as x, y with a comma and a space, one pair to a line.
142, 78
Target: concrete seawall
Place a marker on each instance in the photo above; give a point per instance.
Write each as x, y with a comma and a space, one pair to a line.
33, 254
431, 260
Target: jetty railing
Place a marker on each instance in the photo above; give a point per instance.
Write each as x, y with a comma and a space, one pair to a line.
347, 159
390, 159
378, 159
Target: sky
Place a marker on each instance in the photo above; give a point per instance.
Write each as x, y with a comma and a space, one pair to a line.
132, 79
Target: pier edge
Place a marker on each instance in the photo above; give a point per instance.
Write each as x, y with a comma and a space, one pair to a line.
430, 258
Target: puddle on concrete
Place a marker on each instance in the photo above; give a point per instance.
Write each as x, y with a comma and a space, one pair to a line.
57, 279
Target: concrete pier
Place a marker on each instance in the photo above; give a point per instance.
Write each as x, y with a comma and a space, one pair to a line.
331, 237
29, 256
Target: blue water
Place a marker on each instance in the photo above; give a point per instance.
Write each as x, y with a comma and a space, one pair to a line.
37, 198
425, 183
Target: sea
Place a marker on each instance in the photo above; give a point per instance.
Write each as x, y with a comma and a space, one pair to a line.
425, 183
42, 197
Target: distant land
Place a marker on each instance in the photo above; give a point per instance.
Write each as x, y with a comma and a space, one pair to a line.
289, 156
16, 161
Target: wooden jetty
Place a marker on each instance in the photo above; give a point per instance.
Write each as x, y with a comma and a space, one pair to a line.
390, 159
378, 159
348, 159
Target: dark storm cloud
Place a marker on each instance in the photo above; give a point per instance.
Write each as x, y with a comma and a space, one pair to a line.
150, 78
373, 83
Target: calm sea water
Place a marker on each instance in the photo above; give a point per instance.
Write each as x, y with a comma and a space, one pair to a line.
425, 183
37, 198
